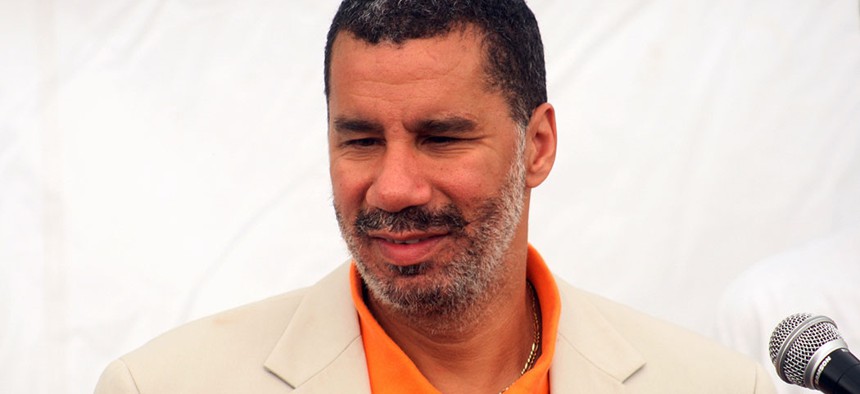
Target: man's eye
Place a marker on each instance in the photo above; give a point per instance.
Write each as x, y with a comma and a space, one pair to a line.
362, 142
440, 140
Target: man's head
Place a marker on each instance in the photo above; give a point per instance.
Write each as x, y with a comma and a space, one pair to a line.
514, 59
430, 165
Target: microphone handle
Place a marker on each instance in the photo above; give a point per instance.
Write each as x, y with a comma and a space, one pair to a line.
840, 373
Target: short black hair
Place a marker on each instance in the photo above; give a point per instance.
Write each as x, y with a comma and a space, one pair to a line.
514, 52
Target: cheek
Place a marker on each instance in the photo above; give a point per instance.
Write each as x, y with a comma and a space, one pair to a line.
347, 189
473, 177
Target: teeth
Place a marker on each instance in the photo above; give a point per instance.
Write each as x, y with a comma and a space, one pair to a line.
409, 242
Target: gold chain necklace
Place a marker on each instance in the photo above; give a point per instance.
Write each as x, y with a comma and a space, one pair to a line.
533, 354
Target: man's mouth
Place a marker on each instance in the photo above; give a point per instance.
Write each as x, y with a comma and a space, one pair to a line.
408, 249
405, 242
408, 238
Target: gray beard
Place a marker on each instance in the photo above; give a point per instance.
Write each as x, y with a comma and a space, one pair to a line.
473, 276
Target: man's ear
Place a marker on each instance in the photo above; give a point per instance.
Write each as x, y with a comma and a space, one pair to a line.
540, 144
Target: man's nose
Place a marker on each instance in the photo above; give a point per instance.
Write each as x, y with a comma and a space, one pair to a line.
400, 181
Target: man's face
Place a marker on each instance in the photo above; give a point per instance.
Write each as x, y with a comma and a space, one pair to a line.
426, 169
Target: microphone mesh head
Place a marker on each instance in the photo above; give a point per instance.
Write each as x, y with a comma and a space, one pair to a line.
805, 340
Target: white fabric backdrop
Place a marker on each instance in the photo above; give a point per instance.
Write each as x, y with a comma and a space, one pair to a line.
162, 160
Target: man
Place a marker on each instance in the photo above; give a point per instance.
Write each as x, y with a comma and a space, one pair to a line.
439, 128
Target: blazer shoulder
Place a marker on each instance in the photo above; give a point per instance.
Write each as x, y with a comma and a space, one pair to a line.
258, 322
232, 343
671, 353
116, 379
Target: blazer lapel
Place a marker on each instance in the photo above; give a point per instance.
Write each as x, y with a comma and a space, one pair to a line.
590, 355
321, 349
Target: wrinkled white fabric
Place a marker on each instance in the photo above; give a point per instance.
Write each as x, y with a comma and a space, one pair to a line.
161, 160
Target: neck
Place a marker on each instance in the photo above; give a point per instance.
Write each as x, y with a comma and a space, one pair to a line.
462, 353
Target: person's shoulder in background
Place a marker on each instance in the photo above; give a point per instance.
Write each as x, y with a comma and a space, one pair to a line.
820, 277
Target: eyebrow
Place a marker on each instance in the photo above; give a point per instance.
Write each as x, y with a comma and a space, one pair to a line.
445, 125
451, 124
356, 126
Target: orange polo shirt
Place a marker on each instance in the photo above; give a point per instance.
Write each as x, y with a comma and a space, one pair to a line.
391, 371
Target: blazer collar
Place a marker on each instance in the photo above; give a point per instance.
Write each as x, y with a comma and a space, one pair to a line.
590, 355
321, 349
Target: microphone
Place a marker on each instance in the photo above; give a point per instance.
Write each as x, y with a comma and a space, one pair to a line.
808, 351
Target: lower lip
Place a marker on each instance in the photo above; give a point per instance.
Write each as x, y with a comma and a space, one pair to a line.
408, 254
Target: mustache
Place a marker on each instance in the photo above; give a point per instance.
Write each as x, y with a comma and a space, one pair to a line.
411, 219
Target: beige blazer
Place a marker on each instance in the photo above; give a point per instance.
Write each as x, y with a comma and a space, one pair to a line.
308, 341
